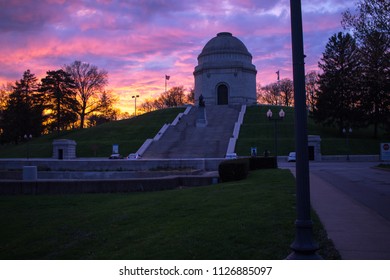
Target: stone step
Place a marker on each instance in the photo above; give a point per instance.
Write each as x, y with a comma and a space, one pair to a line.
185, 140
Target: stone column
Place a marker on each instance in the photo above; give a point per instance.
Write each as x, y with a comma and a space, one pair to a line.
314, 142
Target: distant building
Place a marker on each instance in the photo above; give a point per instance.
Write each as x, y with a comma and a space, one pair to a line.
225, 73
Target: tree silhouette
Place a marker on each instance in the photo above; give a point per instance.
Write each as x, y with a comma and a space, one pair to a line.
371, 26
90, 81
23, 114
59, 89
339, 91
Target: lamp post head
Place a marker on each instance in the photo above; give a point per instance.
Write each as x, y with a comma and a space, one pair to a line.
349, 130
269, 113
282, 114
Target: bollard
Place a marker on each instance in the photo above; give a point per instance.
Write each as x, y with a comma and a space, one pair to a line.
30, 173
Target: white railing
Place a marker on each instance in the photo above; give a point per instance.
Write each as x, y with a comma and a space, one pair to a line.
236, 131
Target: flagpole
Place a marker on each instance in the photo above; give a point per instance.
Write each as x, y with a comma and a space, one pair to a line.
166, 79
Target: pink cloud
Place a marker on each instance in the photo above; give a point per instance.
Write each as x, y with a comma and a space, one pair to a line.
138, 42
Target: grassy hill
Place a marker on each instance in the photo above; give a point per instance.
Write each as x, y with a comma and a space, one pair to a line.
257, 131
97, 141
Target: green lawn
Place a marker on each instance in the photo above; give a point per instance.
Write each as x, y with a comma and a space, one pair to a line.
249, 219
258, 131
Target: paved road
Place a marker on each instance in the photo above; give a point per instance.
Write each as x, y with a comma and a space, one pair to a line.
352, 200
361, 182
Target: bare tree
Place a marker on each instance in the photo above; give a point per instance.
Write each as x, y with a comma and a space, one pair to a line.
90, 81
191, 96
269, 94
286, 91
147, 106
311, 89
370, 16
174, 97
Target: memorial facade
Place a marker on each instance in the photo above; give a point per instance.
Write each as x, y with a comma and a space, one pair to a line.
225, 73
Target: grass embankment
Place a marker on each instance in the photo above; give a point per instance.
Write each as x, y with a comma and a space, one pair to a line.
258, 131
97, 141
248, 219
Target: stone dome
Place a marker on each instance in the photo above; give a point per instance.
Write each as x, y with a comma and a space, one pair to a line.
224, 43
225, 73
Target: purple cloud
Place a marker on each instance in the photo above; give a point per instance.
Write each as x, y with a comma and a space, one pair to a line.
138, 42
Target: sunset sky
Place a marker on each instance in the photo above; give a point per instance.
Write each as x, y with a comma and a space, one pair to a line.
140, 41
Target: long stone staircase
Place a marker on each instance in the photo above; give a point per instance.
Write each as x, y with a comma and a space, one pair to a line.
186, 140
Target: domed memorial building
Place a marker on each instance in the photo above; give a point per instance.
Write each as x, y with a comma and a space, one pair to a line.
225, 73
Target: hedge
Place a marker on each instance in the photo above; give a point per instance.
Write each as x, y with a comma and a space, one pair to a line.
262, 163
233, 170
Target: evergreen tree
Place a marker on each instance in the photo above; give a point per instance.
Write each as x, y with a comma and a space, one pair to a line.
24, 111
371, 26
375, 57
338, 101
59, 89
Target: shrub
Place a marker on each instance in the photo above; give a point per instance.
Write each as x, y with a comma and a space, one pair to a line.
262, 163
233, 170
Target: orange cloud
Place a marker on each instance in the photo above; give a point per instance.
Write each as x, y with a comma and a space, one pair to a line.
139, 42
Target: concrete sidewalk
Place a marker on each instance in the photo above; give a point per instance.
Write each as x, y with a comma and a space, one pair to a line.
358, 232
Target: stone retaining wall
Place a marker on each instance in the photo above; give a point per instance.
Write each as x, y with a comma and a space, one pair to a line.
50, 187
99, 164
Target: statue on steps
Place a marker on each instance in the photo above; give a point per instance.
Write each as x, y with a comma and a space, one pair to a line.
201, 101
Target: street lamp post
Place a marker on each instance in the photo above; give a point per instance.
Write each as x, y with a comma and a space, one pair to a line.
281, 117
347, 132
303, 246
28, 138
135, 104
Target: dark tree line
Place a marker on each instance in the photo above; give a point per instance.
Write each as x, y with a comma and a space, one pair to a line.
172, 98
278, 93
354, 87
23, 112
62, 100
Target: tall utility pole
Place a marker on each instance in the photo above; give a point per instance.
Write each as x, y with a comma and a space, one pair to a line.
304, 246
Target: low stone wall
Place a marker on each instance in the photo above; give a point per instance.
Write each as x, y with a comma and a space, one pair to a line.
50, 187
355, 158
103, 164
96, 175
